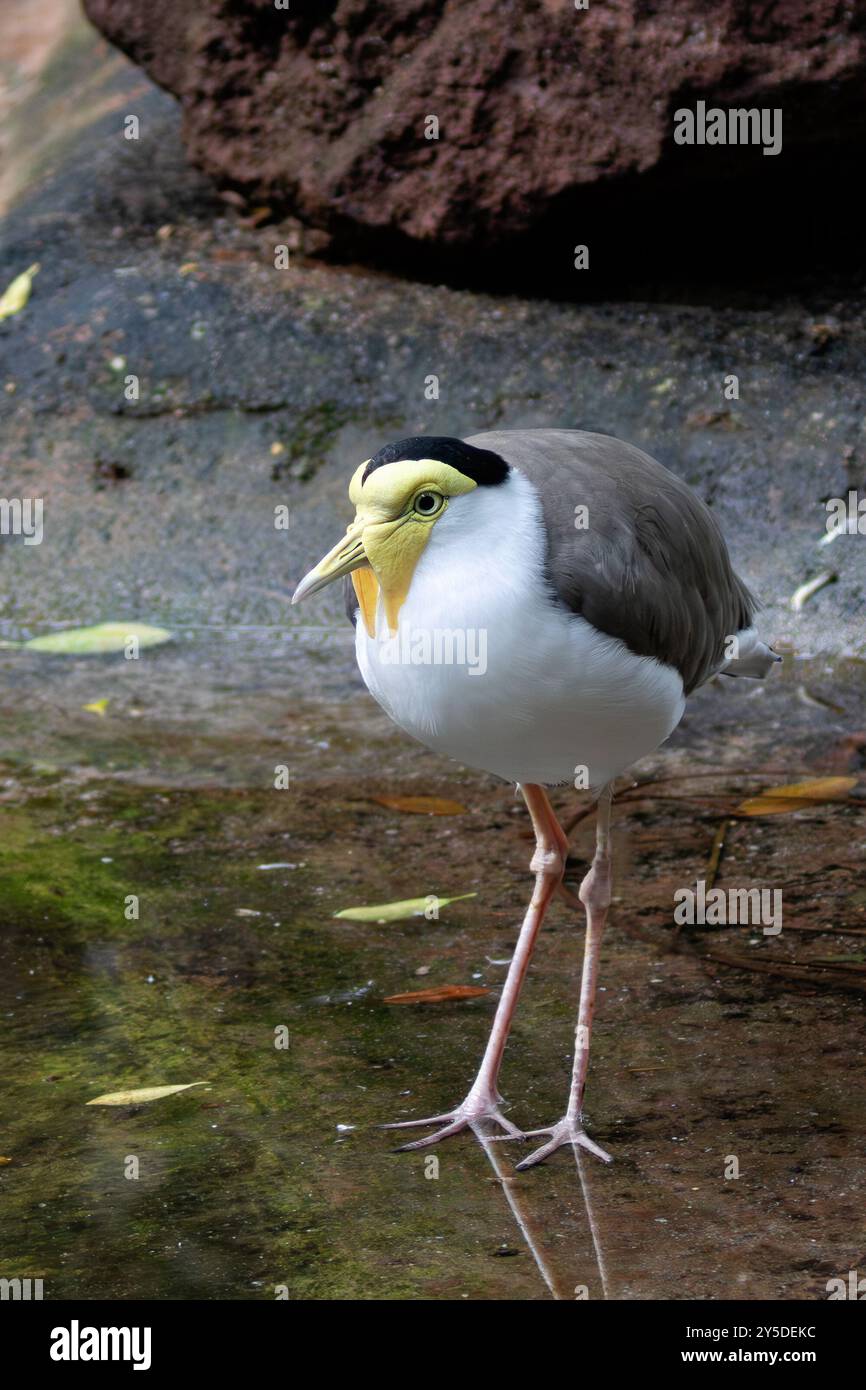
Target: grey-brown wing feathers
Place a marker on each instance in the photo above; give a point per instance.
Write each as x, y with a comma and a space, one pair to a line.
650, 566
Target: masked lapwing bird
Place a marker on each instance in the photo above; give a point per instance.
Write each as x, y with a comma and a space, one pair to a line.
538, 604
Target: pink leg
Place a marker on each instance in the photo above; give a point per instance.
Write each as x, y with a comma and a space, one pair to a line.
548, 865
595, 896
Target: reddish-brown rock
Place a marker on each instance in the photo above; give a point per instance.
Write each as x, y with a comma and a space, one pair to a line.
321, 108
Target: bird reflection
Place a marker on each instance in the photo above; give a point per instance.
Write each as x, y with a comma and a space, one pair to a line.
531, 1230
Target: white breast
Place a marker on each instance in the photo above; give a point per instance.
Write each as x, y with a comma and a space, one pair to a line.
490, 669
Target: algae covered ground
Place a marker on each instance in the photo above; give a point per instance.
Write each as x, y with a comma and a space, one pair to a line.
273, 1179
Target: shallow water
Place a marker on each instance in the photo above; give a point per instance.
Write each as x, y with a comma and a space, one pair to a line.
275, 1173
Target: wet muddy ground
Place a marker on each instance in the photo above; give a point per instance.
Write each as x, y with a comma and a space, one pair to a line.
711, 1044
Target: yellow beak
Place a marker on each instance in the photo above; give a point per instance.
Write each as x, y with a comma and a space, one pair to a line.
348, 554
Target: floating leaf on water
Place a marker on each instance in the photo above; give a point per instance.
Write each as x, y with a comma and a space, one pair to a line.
97, 707
18, 292
142, 1097
422, 805
797, 796
398, 912
103, 638
438, 994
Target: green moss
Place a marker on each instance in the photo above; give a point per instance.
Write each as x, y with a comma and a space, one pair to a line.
54, 877
311, 440
246, 1184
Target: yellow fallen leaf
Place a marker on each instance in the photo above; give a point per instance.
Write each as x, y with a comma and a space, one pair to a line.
439, 994
104, 637
422, 805
4, 1159
399, 912
797, 796
97, 707
143, 1097
811, 587
18, 293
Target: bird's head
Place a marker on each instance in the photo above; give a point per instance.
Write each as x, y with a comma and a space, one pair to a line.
399, 495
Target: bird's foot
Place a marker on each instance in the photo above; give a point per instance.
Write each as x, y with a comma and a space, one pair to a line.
567, 1131
478, 1106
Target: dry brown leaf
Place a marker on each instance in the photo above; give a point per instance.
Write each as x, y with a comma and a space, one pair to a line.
797, 796
438, 994
422, 805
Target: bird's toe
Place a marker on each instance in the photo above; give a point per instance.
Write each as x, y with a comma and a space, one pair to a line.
566, 1132
475, 1111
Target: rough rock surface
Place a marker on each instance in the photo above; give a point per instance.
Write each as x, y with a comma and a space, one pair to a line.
261, 386
321, 108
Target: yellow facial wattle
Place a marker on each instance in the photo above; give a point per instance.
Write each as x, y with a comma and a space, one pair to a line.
366, 587
384, 543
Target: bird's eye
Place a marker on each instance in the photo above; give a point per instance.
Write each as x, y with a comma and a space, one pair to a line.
428, 503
